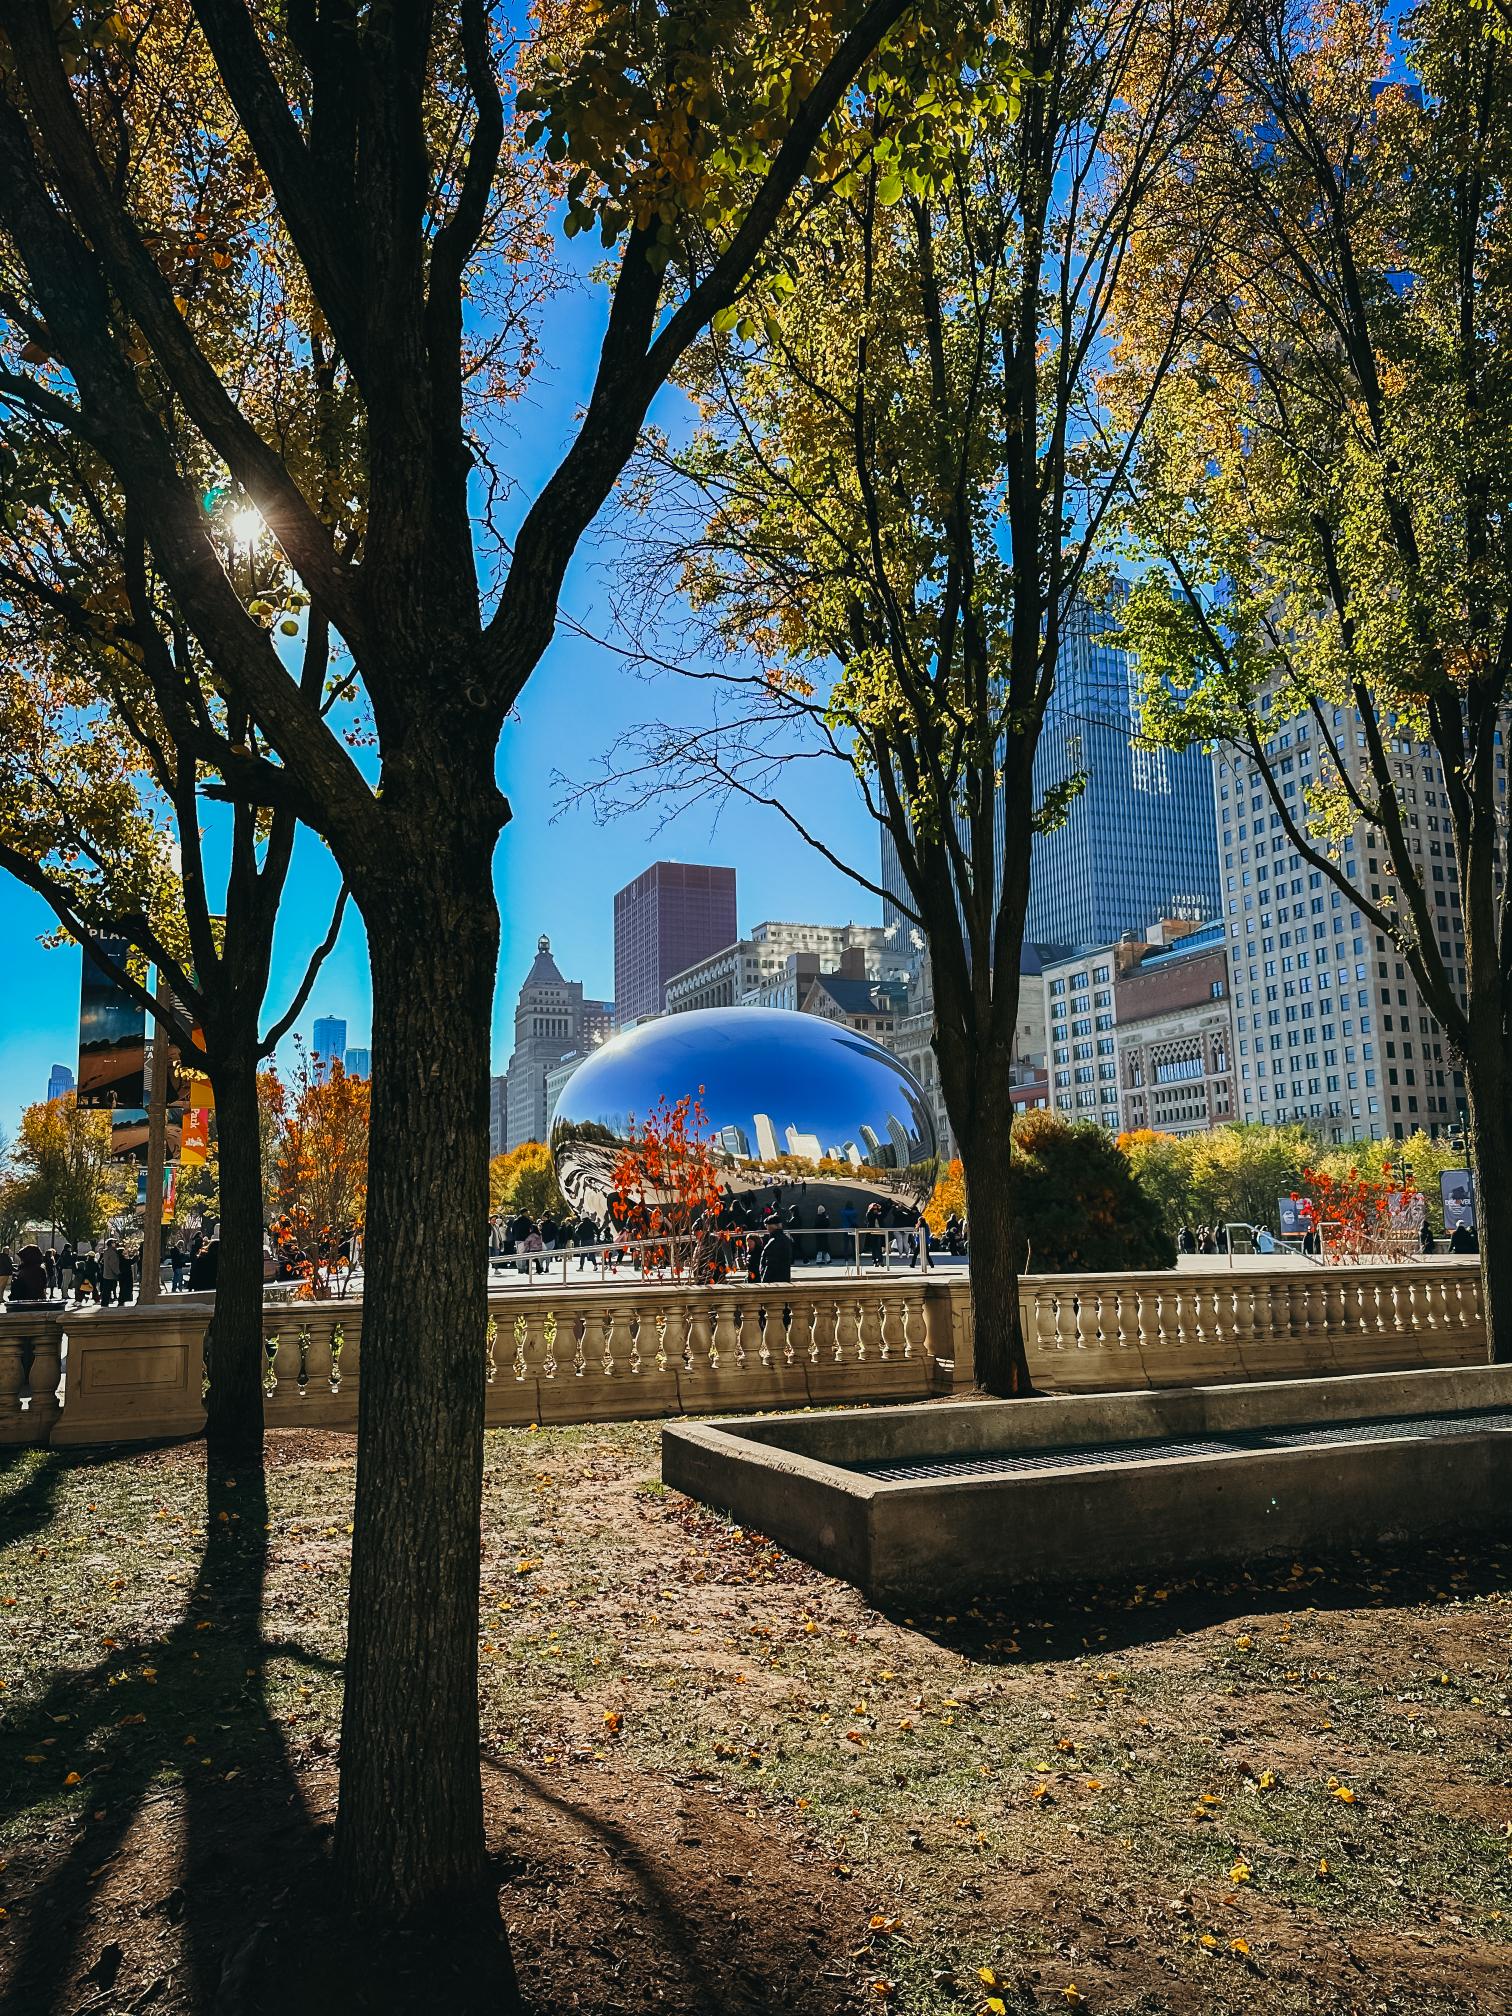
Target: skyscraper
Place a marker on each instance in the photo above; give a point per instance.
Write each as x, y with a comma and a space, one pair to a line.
670, 917
359, 1063
328, 1043
1139, 842
59, 1080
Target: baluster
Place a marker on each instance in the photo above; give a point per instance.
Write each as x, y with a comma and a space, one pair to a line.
272, 1346
659, 1321
1047, 1320
1223, 1318
695, 1334
338, 1346
811, 1331
317, 1359
868, 1322
745, 1317
1125, 1321
1443, 1305
490, 1349
1336, 1321
14, 1426
886, 1312
46, 1369
917, 1319
1243, 1319
548, 1323
723, 1340
698, 1337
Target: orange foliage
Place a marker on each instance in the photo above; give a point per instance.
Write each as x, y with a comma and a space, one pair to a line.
665, 1180
1356, 1215
320, 1158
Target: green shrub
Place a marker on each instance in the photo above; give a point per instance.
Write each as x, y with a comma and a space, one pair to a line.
1077, 1205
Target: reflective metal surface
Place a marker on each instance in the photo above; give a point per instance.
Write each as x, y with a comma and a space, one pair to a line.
783, 1094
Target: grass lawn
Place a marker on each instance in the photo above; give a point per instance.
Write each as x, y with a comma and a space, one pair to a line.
717, 1780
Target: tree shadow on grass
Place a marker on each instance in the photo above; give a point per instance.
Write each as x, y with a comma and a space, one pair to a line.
29, 1480
128, 1718
1073, 1620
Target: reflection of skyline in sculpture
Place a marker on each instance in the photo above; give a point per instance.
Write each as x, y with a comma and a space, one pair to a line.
803, 1093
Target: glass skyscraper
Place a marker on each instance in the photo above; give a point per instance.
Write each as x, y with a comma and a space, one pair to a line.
327, 1043
1139, 842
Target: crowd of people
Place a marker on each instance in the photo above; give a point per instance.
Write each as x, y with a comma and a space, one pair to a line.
107, 1274
749, 1235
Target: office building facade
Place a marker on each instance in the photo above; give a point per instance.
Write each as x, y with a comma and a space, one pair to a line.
1138, 842
670, 917
59, 1081
359, 1063
1140, 1031
771, 967
1175, 1029
1329, 1025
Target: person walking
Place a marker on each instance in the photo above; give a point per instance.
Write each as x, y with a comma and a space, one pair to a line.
775, 1260
66, 1266
875, 1242
586, 1238
178, 1260
127, 1287
205, 1266
110, 1273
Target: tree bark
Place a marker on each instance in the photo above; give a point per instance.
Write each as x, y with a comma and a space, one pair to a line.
409, 1835
1488, 1087
234, 1344
1002, 1368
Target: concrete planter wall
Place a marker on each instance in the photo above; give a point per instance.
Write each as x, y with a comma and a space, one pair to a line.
914, 1505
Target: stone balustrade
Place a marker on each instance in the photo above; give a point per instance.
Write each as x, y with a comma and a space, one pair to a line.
551, 1354
616, 1351
1113, 1332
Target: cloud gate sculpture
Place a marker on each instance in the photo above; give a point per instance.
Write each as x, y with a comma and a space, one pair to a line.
800, 1109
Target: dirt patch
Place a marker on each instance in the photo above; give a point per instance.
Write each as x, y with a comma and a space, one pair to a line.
716, 1779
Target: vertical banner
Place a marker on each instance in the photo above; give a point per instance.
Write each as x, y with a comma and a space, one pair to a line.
194, 1137
113, 1053
1457, 1188
170, 1187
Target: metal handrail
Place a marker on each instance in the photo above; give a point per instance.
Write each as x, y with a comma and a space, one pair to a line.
871, 1249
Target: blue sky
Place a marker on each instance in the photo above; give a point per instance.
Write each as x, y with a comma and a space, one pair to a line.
555, 874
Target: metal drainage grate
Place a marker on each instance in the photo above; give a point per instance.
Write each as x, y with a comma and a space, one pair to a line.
1010, 1462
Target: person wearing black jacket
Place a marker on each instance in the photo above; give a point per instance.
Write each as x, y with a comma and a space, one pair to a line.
776, 1263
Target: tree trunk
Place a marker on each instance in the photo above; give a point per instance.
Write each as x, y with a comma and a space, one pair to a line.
1001, 1365
409, 1833
1488, 1085
234, 1346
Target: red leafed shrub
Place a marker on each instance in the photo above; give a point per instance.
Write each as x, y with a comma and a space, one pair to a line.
665, 1181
